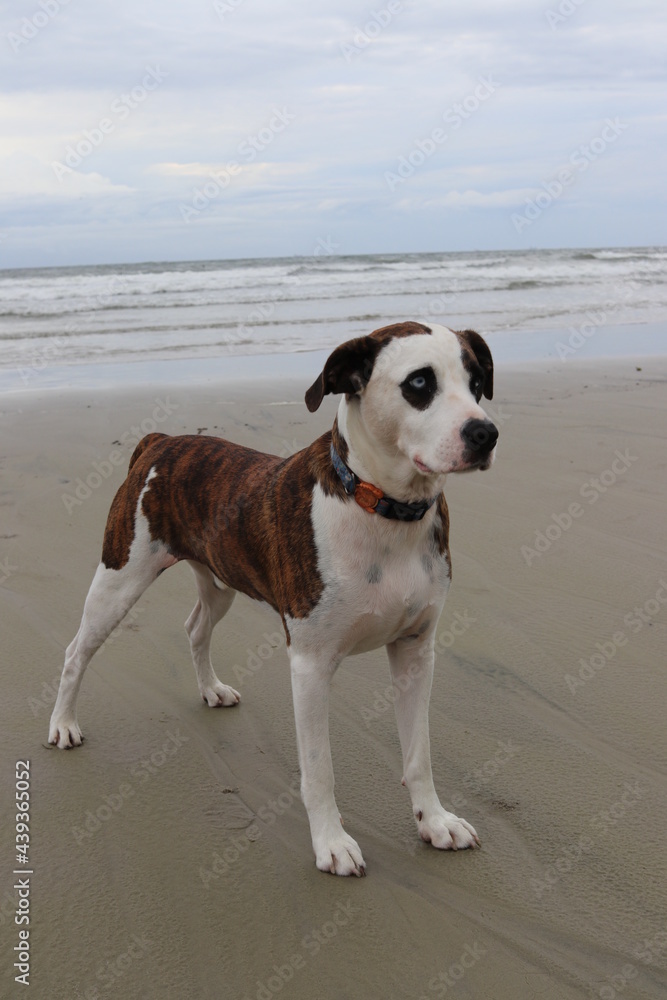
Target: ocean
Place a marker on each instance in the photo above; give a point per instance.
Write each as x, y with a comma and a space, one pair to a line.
55, 318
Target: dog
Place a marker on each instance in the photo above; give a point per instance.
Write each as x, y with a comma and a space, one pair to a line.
347, 540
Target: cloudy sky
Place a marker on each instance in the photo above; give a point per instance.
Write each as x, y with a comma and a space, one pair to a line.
140, 130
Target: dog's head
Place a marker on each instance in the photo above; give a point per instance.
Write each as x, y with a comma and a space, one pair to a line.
415, 392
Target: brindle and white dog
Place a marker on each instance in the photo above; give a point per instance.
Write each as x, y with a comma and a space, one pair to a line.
347, 540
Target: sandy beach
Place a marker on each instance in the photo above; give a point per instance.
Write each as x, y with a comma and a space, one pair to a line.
171, 856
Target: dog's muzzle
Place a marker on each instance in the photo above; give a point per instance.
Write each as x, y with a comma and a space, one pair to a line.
479, 437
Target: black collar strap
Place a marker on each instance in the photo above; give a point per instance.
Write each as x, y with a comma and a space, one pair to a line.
372, 499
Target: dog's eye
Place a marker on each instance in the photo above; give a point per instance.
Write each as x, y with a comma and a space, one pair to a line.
476, 387
419, 388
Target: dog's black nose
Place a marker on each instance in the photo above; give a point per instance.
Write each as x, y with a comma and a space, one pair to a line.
479, 436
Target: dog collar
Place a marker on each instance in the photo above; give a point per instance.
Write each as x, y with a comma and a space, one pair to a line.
372, 499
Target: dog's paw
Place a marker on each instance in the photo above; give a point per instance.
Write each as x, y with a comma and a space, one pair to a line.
220, 695
339, 854
65, 735
446, 831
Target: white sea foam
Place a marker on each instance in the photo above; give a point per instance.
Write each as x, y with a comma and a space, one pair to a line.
212, 308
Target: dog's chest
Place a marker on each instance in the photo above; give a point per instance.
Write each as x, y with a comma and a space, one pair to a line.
383, 579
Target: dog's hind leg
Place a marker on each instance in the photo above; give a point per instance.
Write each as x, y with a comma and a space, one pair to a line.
112, 593
213, 603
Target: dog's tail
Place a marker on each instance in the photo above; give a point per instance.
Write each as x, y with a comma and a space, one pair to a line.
146, 442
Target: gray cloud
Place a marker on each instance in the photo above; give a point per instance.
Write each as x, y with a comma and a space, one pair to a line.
365, 88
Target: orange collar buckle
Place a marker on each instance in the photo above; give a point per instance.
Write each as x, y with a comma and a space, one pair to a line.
368, 496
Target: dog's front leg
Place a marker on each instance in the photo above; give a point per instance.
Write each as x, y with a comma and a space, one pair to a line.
411, 662
335, 850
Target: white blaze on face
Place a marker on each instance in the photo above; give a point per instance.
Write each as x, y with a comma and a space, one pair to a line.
429, 438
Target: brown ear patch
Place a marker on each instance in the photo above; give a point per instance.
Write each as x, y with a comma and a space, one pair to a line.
349, 368
475, 354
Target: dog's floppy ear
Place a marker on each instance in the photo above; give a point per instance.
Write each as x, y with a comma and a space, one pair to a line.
480, 349
348, 369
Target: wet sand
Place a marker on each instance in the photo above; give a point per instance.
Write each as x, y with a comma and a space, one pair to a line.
171, 853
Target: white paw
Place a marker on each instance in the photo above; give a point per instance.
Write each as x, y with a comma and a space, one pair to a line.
446, 831
219, 694
340, 854
65, 735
